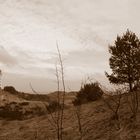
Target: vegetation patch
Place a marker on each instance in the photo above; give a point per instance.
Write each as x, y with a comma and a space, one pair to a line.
88, 92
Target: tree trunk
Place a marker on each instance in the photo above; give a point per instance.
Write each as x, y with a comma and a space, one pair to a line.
130, 86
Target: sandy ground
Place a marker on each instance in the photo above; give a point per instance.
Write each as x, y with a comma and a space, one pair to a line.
96, 124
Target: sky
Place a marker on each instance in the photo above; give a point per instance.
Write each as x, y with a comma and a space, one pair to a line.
83, 30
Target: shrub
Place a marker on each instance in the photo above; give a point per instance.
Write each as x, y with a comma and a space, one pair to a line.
88, 92
10, 89
11, 112
24, 103
53, 106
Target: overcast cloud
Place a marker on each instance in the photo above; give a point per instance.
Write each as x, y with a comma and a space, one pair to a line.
83, 29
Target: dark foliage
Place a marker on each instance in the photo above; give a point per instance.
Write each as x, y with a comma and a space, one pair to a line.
53, 106
11, 111
10, 89
89, 92
24, 103
125, 60
18, 111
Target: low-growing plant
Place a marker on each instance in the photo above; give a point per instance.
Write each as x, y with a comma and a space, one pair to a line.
10, 112
24, 103
53, 106
10, 89
89, 92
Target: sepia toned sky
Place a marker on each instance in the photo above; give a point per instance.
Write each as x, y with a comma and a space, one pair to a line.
83, 29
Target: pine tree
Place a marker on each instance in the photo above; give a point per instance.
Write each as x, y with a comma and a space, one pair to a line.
125, 60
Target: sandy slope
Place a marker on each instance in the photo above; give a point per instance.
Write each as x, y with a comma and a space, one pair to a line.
96, 124
6, 97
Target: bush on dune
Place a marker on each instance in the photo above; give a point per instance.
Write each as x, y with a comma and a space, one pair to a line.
10, 89
88, 92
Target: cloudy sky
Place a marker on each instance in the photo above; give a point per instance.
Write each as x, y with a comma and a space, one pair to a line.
83, 29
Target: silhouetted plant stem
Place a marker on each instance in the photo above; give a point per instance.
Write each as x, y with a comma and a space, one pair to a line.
63, 94
58, 100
